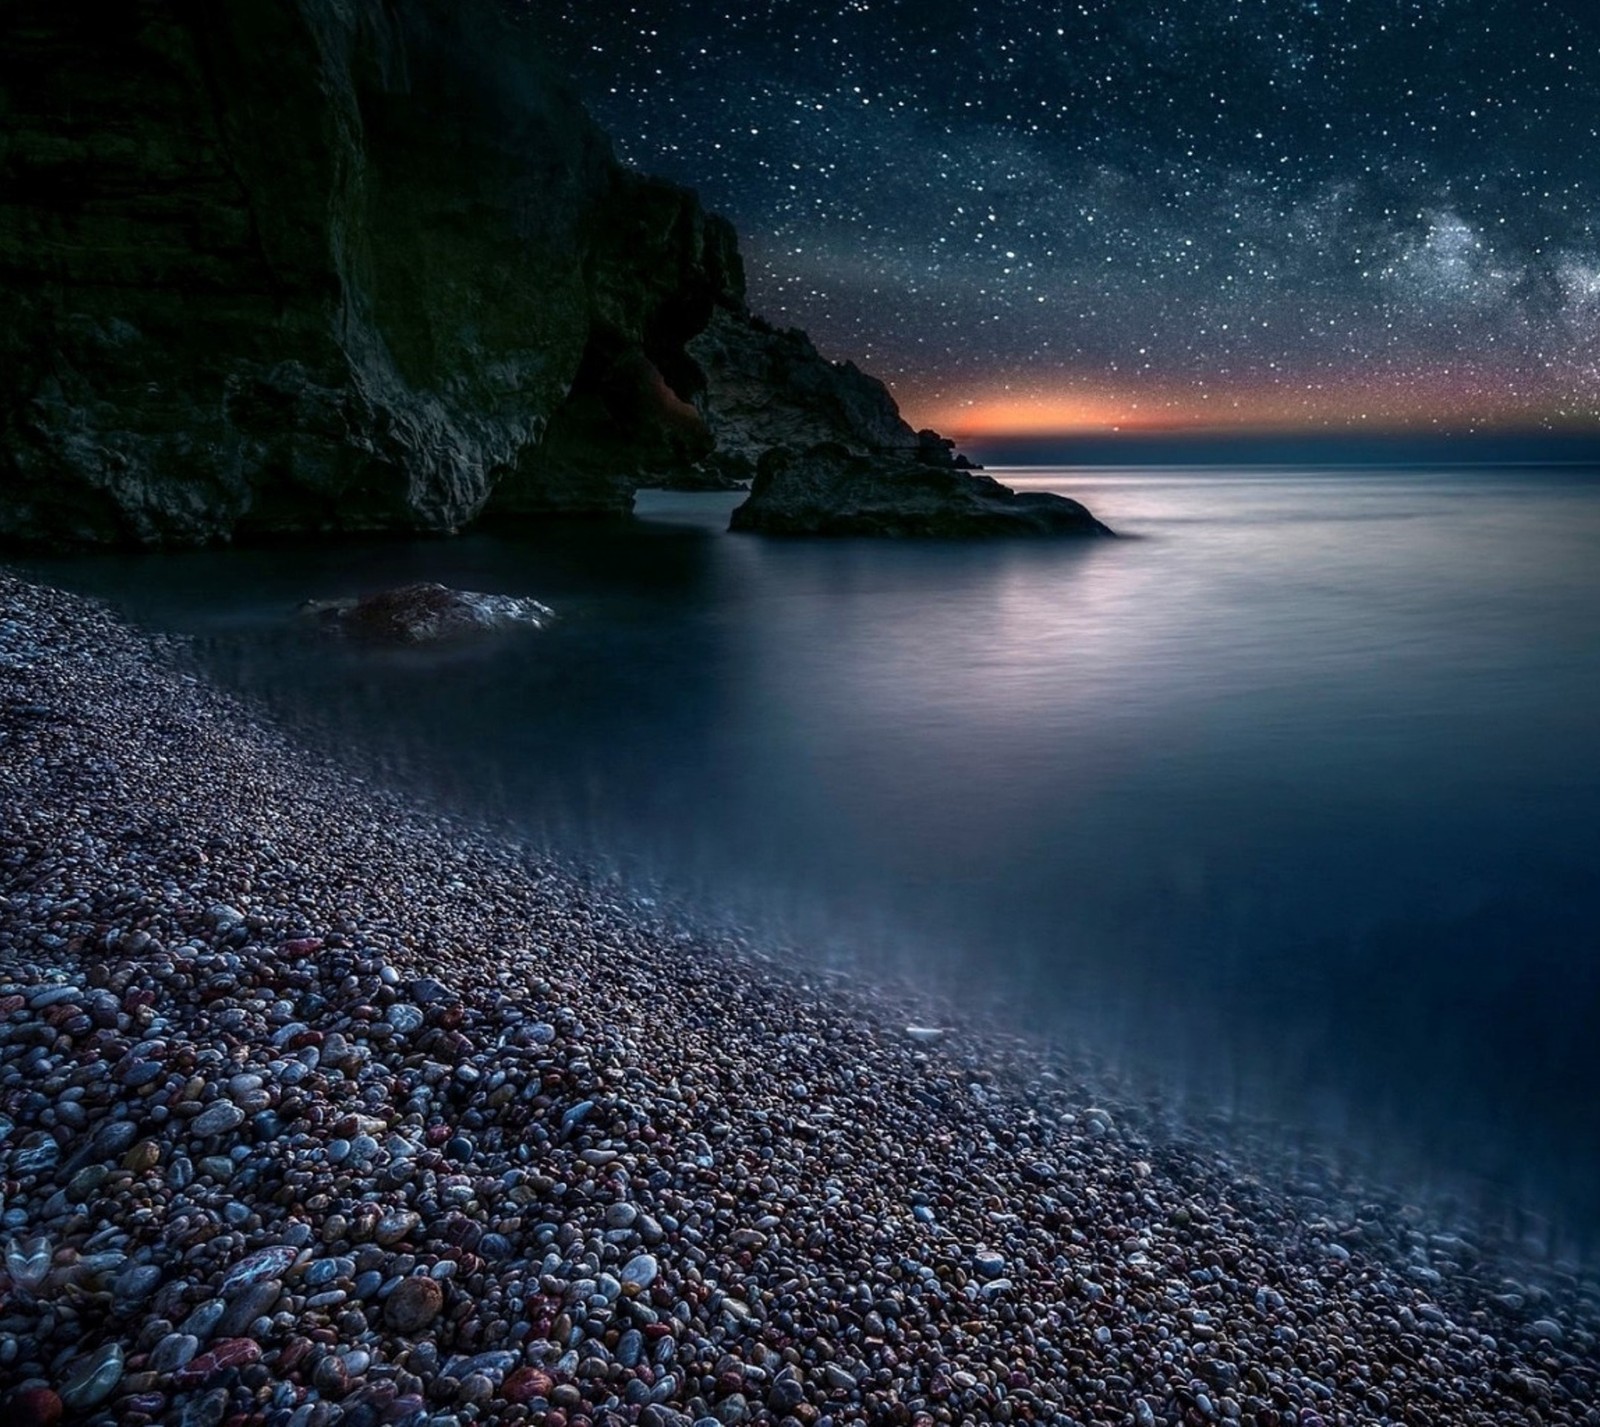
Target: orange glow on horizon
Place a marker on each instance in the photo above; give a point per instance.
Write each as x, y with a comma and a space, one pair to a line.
1450, 400
1033, 415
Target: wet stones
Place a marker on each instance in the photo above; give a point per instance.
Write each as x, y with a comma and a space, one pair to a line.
38, 1157
413, 1305
146, 1154
219, 1119
259, 1267
219, 1358
92, 1378
173, 1352
988, 1264
639, 1273
253, 1302
394, 1227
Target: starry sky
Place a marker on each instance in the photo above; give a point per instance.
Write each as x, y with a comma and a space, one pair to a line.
1087, 215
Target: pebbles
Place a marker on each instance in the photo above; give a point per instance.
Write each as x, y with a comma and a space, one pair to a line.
316, 1111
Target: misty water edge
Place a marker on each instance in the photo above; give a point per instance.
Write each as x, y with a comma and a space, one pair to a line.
1290, 805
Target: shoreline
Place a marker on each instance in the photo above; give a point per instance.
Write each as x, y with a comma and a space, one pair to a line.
328, 1108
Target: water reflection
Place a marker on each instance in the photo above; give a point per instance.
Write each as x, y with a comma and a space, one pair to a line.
1291, 802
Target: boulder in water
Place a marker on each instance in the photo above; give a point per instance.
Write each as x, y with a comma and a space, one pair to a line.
428, 613
831, 490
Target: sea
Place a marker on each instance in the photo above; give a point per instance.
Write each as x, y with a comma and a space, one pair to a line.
1286, 803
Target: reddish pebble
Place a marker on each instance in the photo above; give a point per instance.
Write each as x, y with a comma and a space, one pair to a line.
36, 1407
303, 945
526, 1383
230, 1353
293, 1354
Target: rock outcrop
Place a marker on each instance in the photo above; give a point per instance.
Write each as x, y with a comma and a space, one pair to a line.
277, 266
428, 613
831, 490
765, 387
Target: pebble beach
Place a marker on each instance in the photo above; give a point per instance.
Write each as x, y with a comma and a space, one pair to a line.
318, 1106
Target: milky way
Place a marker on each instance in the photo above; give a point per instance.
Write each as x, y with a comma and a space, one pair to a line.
1270, 212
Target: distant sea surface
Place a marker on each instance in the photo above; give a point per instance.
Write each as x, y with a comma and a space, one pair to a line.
1289, 803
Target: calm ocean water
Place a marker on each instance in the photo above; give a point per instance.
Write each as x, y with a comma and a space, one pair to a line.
1291, 803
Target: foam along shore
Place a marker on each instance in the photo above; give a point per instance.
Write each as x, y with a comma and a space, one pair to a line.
318, 1108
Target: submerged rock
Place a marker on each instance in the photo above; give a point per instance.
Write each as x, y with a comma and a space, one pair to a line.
429, 613
830, 490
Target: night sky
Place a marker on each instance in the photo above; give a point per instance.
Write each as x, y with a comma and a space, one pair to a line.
1352, 214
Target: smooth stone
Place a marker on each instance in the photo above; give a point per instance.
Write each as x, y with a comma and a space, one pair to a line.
837, 1378
87, 1180
217, 1120
28, 1262
113, 1138
639, 1272
146, 1154
414, 1304
254, 1302
174, 1351
203, 1321
206, 1411
133, 1285
227, 1353
330, 1377
494, 1364
37, 1159
404, 1018
52, 996
268, 1263
94, 1377
787, 1393
620, 1215
988, 1264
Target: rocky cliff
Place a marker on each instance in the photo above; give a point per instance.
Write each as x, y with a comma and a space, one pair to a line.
287, 266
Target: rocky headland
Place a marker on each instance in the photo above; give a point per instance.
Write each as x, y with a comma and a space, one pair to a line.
283, 268
318, 1108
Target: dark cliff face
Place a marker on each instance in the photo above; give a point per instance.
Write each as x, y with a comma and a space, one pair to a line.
302, 265
767, 388
309, 266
